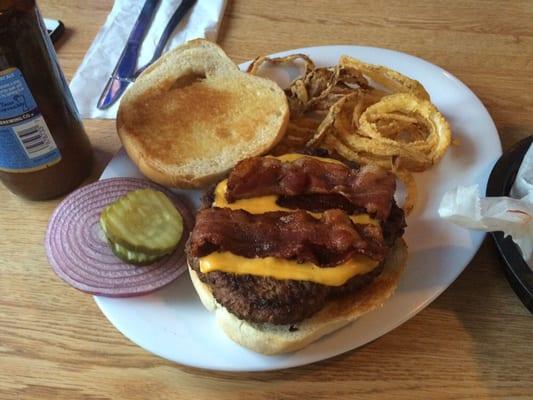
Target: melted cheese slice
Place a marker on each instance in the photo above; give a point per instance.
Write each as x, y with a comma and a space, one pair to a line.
286, 269
263, 204
276, 267
290, 157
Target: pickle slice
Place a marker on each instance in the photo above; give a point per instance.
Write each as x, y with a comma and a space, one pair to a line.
143, 221
133, 257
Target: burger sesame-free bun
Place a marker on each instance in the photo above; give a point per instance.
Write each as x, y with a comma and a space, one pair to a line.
276, 339
192, 115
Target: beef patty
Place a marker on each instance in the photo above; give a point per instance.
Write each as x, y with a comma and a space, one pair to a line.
262, 299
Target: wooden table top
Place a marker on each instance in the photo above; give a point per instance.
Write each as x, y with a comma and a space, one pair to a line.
475, 341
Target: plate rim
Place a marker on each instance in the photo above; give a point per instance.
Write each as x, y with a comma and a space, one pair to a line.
477, 237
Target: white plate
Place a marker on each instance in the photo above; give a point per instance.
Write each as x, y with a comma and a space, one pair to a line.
173, 324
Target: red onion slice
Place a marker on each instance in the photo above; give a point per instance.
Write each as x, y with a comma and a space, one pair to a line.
78, 251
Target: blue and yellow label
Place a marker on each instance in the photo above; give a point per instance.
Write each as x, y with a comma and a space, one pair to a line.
25, 140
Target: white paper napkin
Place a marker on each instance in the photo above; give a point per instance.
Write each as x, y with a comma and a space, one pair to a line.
523, 184
202, 21
512, 215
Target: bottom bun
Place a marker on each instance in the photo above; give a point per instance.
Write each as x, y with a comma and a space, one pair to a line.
276, 339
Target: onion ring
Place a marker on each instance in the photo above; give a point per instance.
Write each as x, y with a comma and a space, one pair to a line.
386, 77
255, 65
361, 133
311, 95
399, 144
79, 254
417, 155
366, 113
410, 188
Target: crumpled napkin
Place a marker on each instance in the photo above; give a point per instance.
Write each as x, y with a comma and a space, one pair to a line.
202, 21
513, 216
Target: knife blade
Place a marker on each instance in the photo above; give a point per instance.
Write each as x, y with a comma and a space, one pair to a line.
121, 78
125, 68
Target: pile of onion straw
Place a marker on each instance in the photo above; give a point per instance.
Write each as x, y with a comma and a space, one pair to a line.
365, 113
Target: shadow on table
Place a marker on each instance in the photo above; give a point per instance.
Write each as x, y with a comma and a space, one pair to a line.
64, 38
101, 158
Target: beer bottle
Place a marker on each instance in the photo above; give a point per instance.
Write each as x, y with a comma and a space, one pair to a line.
44, 150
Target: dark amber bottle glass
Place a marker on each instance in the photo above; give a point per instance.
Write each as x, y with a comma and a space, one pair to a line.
44, 150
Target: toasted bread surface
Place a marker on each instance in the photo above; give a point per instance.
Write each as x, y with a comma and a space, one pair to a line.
192, 115
277, 339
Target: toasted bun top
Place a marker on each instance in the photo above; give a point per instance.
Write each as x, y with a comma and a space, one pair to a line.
192, 115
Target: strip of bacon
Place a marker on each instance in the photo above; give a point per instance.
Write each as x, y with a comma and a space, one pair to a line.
327, 242
369, 188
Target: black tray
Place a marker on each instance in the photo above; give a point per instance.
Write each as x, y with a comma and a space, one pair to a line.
500, 182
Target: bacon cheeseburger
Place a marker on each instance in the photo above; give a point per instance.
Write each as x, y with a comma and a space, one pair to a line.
290, 248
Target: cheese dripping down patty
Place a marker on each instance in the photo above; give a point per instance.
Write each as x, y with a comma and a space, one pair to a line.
278, 268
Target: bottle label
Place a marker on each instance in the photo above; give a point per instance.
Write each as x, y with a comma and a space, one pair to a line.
25, 140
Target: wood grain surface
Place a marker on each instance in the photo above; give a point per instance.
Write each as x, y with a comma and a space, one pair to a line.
474, 342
